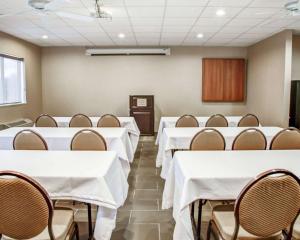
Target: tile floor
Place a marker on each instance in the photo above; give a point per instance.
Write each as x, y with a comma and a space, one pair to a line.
141, 217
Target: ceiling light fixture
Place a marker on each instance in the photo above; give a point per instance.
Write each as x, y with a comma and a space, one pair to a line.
220, 12
44, 37
121, 35
200, 35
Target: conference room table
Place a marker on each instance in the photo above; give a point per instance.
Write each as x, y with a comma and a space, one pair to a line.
216, 175
117, 140
90, 177
126, 122
168, 122
180, 138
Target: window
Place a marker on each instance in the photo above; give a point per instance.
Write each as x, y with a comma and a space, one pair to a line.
12, 80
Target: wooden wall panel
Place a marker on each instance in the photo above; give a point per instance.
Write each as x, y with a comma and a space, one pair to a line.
223, 80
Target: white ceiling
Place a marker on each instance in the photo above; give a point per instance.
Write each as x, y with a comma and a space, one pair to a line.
150, 22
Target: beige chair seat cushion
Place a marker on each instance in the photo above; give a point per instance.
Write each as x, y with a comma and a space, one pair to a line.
225, 222
61, 223
296, 232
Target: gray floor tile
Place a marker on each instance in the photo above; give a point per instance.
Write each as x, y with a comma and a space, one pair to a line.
136, 232
151, 217
136, 204
147, 194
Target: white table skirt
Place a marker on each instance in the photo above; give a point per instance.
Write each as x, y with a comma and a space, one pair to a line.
180, 138
116, 139
126, 122
168, 122
216, 175
90, 177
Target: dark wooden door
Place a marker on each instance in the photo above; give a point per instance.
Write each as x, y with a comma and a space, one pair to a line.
142, 109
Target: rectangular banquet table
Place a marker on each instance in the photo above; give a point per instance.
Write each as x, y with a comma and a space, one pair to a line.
168, 122
116, 139
126, 122
216, 175
86, 176
180, 138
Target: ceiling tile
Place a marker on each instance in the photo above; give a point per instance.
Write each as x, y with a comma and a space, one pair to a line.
211, 12
268, 3
257, 12
229, 3
179, 21
145, 2
183, 12
145, 12
174, 29
187, 2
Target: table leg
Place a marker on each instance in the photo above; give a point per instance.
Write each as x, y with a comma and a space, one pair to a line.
90, 221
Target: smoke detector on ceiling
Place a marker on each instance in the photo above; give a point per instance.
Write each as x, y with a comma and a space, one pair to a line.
293, 8
38, 4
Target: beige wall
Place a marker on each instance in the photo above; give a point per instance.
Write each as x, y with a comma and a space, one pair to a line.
269, 77
296, 58
32, 55
73, 82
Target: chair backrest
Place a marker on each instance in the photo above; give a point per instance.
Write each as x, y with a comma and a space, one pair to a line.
249, 120
286, 139
217, 120
108, 120
80, 120
268, 204
29, 140
88, 140
25, 207
187, 121
208, 139
45, 120
250, 139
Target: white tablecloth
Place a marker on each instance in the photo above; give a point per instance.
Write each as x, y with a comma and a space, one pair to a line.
126, 122
116, 139
180, 138
216, 175
168, 122
90, 177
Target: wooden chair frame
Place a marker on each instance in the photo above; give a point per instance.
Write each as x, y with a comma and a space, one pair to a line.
241, 196
46, 115
246, 130
187, 115
249, 114
83, 115
216, 115
282, 131
48, 201
33, 132
111, 115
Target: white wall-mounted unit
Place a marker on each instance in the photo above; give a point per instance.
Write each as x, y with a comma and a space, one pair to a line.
127, 51
17, 123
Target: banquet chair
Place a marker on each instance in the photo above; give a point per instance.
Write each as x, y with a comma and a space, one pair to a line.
208, 139
26, 211
88, 140
80, 120
45, 120
287, 139
250, 139
249, 120
29, 140
187, 121
267, 206
217, 120
108, 120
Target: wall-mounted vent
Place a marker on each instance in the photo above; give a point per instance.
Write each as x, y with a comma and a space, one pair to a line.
20, 123
127, 51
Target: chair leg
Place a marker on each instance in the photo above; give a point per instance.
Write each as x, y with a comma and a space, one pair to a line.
198, 231
76, 231
90, 220
208, 231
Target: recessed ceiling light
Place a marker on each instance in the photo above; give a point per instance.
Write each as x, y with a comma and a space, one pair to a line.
44, 37
200, 35
121, 35
220, 12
